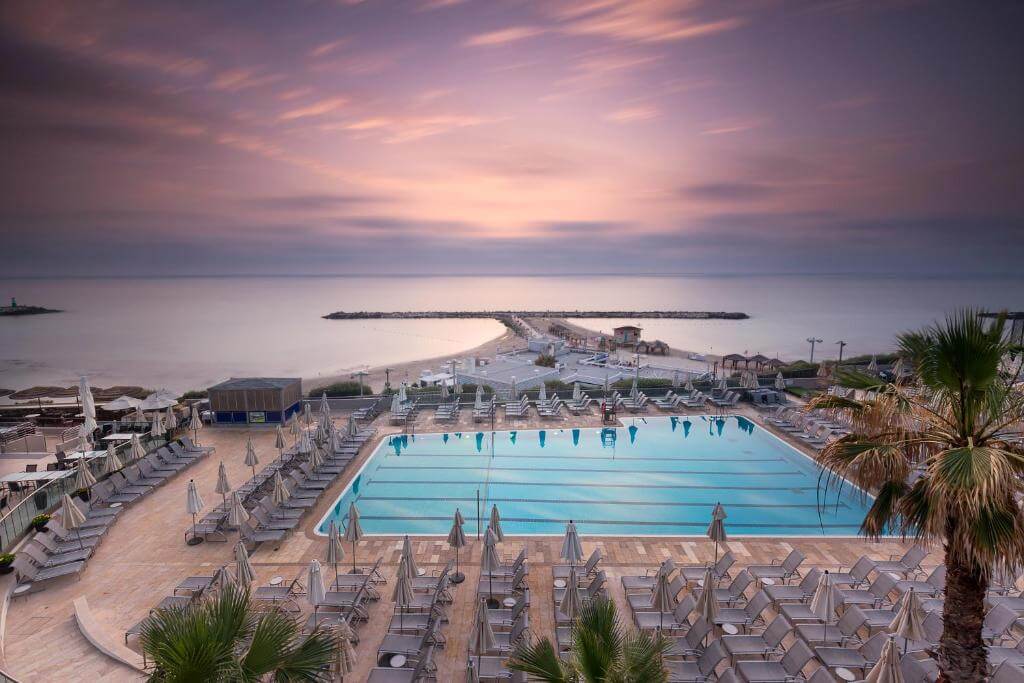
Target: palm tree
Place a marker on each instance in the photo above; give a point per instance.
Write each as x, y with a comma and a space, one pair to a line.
602, 652
225, 639
937, 451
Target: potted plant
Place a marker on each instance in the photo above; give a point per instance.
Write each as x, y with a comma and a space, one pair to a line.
5, 563
39, 522
82, 493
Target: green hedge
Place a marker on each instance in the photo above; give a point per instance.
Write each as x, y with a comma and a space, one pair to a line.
339, 389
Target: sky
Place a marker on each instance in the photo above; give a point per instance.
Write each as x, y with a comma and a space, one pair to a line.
506, 136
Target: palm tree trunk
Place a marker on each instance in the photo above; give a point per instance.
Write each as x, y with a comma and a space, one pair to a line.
962, 654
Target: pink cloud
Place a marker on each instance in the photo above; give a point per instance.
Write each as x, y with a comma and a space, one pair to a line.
503, 36
319, 108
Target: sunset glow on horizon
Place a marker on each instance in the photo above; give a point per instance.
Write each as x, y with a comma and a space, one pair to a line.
455, 136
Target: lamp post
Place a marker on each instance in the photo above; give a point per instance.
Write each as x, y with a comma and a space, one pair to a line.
387, 380
813, 342
842, 345
360, 374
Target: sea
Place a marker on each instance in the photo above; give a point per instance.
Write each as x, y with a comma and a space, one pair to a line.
190, 332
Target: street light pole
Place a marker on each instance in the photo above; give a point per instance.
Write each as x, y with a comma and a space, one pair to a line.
387, 380
812, 342
842, 345
361, 374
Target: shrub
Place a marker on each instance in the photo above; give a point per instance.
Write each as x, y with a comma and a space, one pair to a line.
545, 361
644, 383
557, 385
39, 521
193, 395
339, 389
6, 559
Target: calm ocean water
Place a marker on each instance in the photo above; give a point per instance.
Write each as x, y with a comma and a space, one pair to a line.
190, 332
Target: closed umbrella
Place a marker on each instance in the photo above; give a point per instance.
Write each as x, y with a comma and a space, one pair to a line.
137, 451
402, 397
482, 639
84, 478
410, 558
457, 540
909, 620
444, 391
634, 392
489, 562
170, 420
542, 396
459, 518
707, 606
244, 570
887, 669
822, 369
716, 530
571, 603
663, 600
402, 593
156, 427
607, 383
293, 425
195, 423
279, 494
495, 524
353, 532
780, 382
335, 549
193, 505
675, 379
572, 550
577, 393
513, 392
873, 365
307, 413
111, 463
316, 458
315, 591
478, 403
325, 407
222, 487
305, 445
250, 456
897, 369
353, 430
71, 518
723, 384
689, 386
223, 578
88, 406
396, 405
823, 603
138, 415
345, 656
279, 442
237, 516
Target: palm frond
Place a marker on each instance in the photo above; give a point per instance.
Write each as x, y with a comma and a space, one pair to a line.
539, 659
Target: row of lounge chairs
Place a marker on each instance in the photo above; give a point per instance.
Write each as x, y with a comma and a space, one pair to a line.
59, 553
773, 634
506, 595
814, 429
406, 655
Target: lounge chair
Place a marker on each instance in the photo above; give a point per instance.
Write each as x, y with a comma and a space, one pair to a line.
751, 614
39, 555
701, 670
786, 669
767, 644
801, 592
675, 622
253, 536
595, 588
779, 571
645, 582
908, 565
933, 585
643, 602
719, 571
421, 670
186, 442
857, 576
874, 596
27, 571
840, 633
561, 571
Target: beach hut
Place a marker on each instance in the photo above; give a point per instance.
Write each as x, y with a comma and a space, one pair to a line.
758, 360
255, 400
733, 359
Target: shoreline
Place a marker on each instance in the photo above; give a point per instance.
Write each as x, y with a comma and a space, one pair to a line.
410, 370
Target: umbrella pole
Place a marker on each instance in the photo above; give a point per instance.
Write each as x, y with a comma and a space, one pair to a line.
354, 557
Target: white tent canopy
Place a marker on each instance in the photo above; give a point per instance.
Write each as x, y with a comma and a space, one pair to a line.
159, 400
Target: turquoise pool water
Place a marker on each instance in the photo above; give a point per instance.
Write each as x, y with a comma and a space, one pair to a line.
658, 476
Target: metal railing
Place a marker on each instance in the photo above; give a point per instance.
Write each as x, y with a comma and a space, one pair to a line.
46, 498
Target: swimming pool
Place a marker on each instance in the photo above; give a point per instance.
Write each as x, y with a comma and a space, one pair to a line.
656, 477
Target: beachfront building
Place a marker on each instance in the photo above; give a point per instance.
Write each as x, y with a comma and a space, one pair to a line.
627, 335
255, 400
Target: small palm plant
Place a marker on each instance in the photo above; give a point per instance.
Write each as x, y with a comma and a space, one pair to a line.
939, 451
224, 639
602, 652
